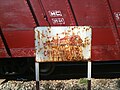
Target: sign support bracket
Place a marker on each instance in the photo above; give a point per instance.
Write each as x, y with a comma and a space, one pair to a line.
89, 67
37, 75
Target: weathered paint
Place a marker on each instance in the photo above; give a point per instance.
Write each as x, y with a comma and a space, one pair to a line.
68, 43
18, 24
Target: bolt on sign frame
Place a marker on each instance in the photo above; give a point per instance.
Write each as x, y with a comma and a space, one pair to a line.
62, 44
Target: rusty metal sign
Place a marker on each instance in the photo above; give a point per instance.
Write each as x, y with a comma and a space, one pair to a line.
63, 43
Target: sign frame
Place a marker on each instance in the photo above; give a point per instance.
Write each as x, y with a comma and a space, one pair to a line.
63, 43
82, 40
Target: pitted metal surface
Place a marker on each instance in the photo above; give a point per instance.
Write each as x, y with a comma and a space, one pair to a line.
68, 43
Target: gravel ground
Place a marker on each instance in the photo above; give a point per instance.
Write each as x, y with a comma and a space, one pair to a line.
73, 84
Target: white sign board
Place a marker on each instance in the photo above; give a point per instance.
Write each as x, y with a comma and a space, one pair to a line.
62, 43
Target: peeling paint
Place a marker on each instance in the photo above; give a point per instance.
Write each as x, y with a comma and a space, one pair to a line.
68, 43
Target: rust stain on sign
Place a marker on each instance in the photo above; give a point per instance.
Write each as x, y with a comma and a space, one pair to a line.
63, 43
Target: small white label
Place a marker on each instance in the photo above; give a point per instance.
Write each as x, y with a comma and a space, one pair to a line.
58, 20
56, 17
55, 13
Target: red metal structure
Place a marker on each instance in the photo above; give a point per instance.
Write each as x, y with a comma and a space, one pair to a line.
19, 17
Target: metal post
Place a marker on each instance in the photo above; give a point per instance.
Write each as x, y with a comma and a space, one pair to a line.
37, 75
89, 75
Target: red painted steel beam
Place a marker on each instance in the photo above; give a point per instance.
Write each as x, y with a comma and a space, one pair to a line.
17, 23
5, 43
